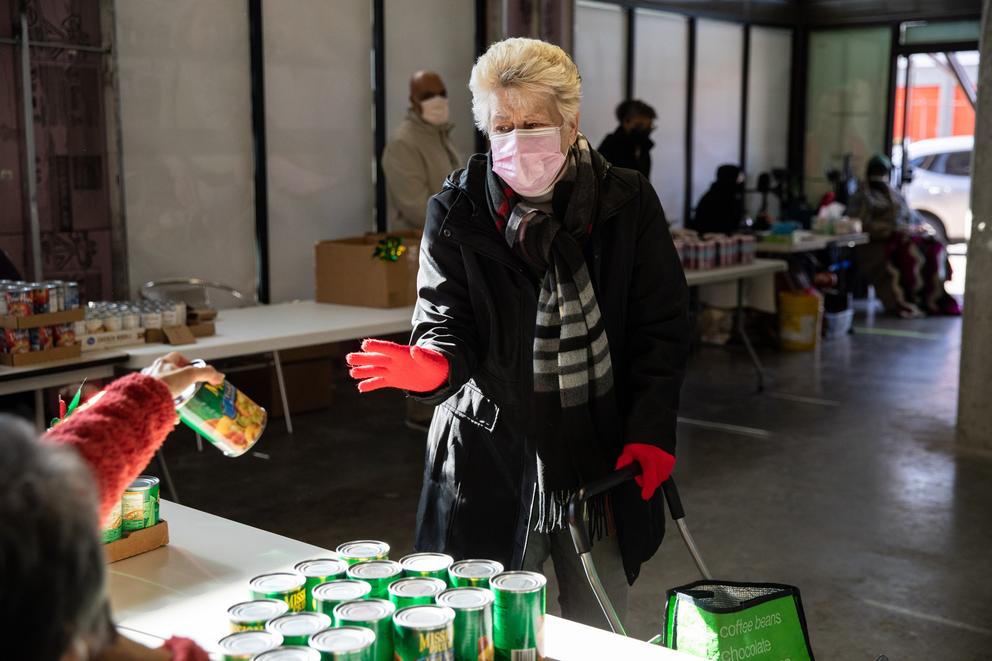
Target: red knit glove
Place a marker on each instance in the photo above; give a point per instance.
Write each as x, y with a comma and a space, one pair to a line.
383, 364
656, 466
184, 649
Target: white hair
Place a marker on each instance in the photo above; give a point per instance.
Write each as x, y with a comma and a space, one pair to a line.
529, 66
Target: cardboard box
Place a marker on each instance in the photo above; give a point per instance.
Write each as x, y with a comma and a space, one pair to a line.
201, 329
35, 357
111, 339
349, 274
47, 319
137, 542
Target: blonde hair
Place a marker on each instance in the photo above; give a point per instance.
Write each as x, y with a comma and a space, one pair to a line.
527, 65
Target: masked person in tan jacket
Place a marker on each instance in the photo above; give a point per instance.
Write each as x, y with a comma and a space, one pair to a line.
420, 155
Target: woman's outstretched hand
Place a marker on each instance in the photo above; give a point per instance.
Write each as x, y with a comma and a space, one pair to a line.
176, 372
382, 364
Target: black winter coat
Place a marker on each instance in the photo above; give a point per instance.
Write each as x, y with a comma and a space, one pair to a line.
477, 305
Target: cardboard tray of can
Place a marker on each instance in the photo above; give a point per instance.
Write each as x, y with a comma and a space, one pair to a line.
137, 542
46, 319
35, 357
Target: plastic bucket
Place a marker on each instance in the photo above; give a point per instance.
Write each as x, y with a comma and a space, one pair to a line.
800, 317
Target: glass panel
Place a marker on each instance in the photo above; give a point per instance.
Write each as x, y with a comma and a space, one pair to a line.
938, 32
769, 73
600, 45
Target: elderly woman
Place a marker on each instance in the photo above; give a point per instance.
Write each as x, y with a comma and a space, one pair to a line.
551, 328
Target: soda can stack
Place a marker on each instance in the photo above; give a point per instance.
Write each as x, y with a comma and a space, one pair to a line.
138, 509
749, 246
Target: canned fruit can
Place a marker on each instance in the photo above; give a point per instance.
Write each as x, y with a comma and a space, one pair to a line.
518, 615
112, 528
374, 614
141, 503
40, 338
289, 653
344, 644
473, 622
296, 628
54, 296
377, 573
253, 615
473, 573
20, 302
317, 571
70, 295
223, 415
39, 297
65, 335
247, 644
363, 550
328, 595
424, 633
284, 586
15, 340
427, 564
415, 590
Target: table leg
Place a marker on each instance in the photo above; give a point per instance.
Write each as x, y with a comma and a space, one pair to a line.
282, 391
167, 477
39, 410
742, 331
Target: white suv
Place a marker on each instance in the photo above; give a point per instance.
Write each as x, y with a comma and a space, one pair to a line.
940, 190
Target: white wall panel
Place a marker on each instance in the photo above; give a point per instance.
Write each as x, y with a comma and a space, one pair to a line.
768, 87
600, 47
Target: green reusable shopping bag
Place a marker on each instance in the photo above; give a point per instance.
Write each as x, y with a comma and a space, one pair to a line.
727, 621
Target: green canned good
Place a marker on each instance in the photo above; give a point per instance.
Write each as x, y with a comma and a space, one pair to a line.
289, 653
415, 591
374, 614
223, 415
284, 586
328, 595
344, 644
518, 614
296, 628
245, 645
320, 570
112, 528
253, 615
473, 622
473, 573
363, 550
377, 573
140, 504
424, 633
434, 565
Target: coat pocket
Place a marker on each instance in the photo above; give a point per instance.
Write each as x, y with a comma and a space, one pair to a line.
471, 405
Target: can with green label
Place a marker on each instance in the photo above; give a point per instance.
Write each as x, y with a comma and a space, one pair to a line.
344, 644
374, 614
223, 415
377, 573
284, 586
246, 645
112, 527
518, 614
140, 503
363, 550
320, 570
415, 591
434, 565
424, 633
296, 628
289, 653
253, 615
328, 595
473, 622
473, 573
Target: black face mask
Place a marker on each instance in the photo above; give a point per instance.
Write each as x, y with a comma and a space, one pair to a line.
640, 134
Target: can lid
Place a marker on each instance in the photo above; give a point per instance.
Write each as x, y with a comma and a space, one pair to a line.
418, 586
250, 642
289, 653
476, 568
343, 639
465, 599
259, 610
322, 567
424, 617
364, 548
365, 610
278, 582
422, 562
143, 483
299, 624
346, 590
375, 569
518, 581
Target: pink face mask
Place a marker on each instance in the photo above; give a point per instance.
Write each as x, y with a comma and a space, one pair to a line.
528, 160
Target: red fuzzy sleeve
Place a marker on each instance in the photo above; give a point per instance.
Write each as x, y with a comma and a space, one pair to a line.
184, 649
119, 433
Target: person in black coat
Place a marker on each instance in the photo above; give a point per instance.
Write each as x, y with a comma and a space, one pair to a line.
551, 330
630, 145
721, 208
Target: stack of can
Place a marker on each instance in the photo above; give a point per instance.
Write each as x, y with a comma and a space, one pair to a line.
701, 253
25, 299
137, 509
115, 316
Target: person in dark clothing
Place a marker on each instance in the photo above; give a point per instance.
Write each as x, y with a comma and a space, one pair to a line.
551, 329
630, 145
721, 208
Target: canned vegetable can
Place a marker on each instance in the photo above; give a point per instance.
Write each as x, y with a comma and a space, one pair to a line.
374, 614
284, 586
473, 622
223, 415
344, 644
473, 573
289, 653
377, 573
415, 591
253, 615
296, 628
317, 571
328, 595
424, 633
245, 645
518, 615
363, 550
141, 503
113, 526
434, 565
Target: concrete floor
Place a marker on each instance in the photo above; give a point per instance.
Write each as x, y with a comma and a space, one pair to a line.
843, 479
